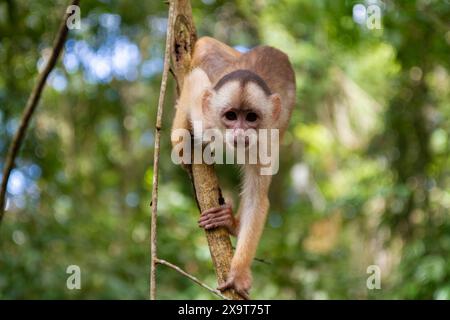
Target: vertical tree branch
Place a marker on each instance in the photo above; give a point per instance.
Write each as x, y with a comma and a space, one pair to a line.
154, 204
204, 179
30, 106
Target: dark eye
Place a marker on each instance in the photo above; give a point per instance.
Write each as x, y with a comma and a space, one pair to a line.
231, 115
251, 117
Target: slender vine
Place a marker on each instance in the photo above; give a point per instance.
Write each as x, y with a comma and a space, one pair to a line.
30, 107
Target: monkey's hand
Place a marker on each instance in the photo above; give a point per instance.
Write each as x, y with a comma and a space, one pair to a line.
219, 217
240, 281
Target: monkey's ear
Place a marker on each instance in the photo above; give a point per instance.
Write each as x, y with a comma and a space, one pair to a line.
207, 94
276, 103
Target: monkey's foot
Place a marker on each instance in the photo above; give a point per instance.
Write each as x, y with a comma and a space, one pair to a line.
218, 217
240, 282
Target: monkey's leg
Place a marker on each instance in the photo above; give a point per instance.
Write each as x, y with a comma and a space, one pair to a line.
178, 138
180, 121
255, 205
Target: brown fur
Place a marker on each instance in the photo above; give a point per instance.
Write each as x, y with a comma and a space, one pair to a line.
270, 70
244, 77
270, 64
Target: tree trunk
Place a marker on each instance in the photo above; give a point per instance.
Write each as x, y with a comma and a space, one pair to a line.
204, 178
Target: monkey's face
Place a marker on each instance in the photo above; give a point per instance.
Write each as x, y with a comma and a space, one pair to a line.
239, 111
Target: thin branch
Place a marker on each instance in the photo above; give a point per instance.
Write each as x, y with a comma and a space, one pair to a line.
154, 203
263, 261
204, 179
181, 36
188, 275
31, 105
260, 260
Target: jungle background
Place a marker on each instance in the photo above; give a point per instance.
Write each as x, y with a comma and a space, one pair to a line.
365, 169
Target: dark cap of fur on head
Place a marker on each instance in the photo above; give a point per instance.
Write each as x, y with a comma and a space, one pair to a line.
244, 77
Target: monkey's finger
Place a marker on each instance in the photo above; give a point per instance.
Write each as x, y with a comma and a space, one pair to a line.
214, 218
226, 285
230, 285
220, 219
205, 215
218, 216
213, 210
243, 293
215, 224
223, 213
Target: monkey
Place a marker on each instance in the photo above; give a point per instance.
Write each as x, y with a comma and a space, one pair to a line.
238, 92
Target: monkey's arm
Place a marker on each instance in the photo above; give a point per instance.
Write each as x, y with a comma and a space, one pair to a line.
254, 208
180, 121
189, 105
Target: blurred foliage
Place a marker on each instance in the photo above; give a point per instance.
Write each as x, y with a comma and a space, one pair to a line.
365, 172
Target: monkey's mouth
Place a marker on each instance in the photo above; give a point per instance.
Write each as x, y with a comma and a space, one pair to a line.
239, 141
